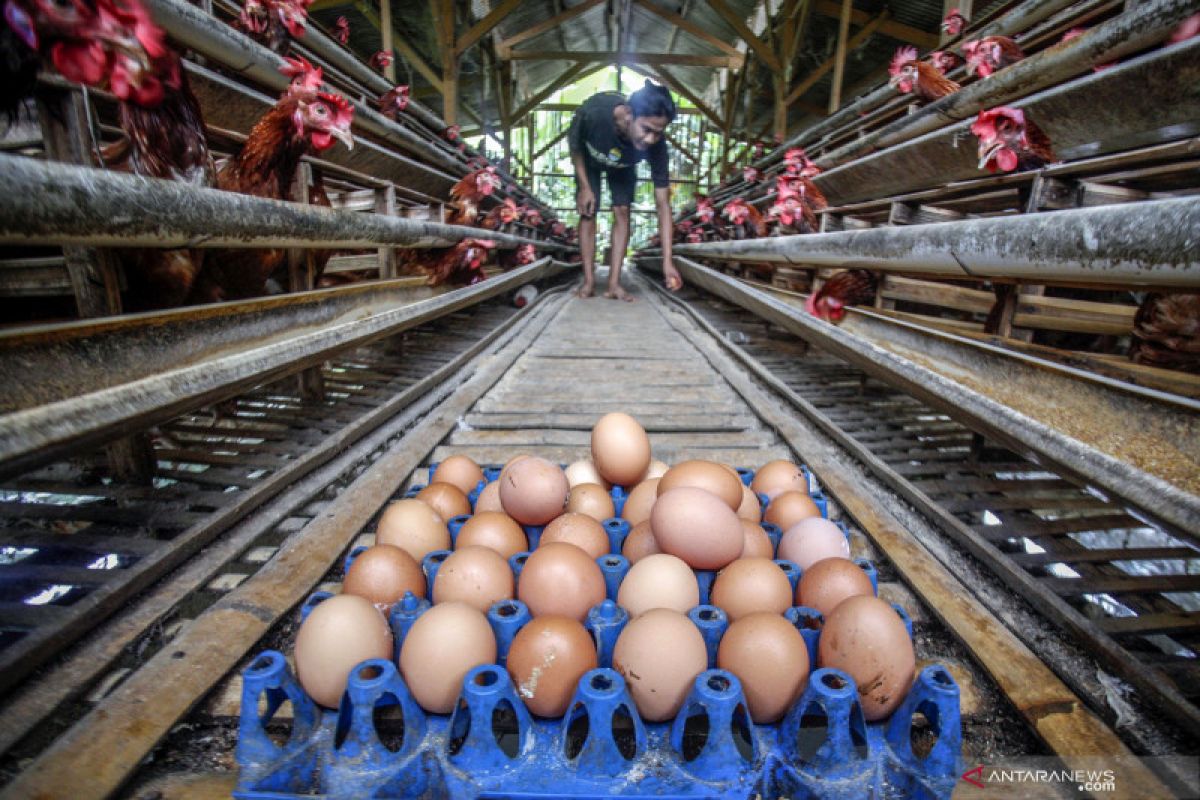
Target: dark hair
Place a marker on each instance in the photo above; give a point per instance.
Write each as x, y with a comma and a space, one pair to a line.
652, 100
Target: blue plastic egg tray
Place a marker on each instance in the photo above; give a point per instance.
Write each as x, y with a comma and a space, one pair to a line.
492, 747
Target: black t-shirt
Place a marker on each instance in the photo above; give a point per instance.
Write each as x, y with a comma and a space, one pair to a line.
594, 133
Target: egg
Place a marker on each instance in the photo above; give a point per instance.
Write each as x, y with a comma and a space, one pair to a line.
788, 508
620, 449
757, 543
489, 498
443, 645
659, 654
446, 499
656, 470
828, 582
639, 502
769, 657
717, 479
546, 660
640, 543
697, 526
340, 632
495, 530
865, 638
659, 581
749, 585
460, 471
533, 491
749, 509
382, 574
812, 539
776, 477
560, 578
477, 576
413, 526
584, 471
591, 499
580, 530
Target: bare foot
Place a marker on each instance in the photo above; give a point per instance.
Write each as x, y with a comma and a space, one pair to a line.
619, 294
584, 292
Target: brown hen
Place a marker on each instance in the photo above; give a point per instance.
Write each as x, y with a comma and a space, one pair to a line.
1166, 331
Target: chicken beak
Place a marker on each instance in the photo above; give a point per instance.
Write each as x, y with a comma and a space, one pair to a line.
895, 80
343, 136
986, 154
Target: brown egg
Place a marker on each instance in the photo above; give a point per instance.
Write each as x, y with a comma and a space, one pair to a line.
659, 581
443, 645
828, 582
788, 508
620, 448
533, 491
749, 585
546, 660
413, 526
580, 530
865, 637
812, 539
769, 657
340, 632
382, 574
591, 499
446, 499
477, 576
489, 498
559, 578
584, 471
659, 654
776, 477
656, 470
758, 544
698, 527
639, 502
495, 530
750, 509
717, 479
640, 543
459, 471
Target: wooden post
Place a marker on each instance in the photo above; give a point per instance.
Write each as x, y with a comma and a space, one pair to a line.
385, 203
302, 278
449, 61
839, 66
385, 30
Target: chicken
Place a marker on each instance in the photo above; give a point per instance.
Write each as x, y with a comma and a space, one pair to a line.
304, 120
751, 175
274, 23
849, 287
502, 215
461, 264
393, 101
477, 184
954, 22
705, 211
911, 76
1166, 331
381, 60
746, 220
991, 53
1009, 140
791, 212
341, 30
944, 61
533, 217
516, 257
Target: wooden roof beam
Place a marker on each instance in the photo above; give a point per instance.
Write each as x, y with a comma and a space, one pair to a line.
689, 26
670, 80
485, 25
818, 73
759, 47
503, 47
401, 45
896, 30
611, 57
574, 73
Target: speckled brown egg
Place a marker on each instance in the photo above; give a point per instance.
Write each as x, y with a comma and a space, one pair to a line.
788, 508
560, 578
546, 660
749, 509
776, 477
460, 471
769, 657
698, 527
620, 448
640, 543
591, 499
828, 582
446, 499
477, 576
758, 544
443, 645
716, 479
489, 498
533, 491
580, 530
812, 539
659, 654
584, 471
382, 574
659, 581
749, 585
495, 530
413, 526
865, 637
339, 633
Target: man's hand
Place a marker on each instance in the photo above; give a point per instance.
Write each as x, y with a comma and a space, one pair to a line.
671, 277
585, 203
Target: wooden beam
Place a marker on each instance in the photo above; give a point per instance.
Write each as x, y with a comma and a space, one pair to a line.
738, 24
546, 147
839, 65
503, 47
484, 25
570, 75
689, 26
386, 36
401, 45
678, 85
818, 73
573, 106
613, 57
683, 150
896, 30
444, 22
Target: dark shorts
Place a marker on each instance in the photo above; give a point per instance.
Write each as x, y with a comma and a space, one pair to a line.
621, 183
